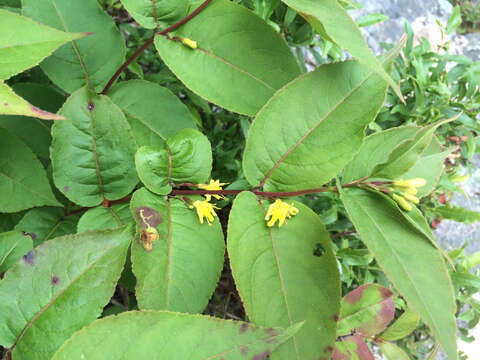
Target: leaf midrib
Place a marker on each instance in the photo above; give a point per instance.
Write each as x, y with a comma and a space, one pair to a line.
236, 68
362, 310
95, 156
313, 128
75, 49
60, 293
385, 238
282, 284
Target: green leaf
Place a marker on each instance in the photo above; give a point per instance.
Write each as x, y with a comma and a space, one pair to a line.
409, 260
392, 351
25, 43
46, 223
13, 245
12, 3
402, 327
375, 150
407, 153
183, 268
285, 275
465, 280
240, 61
153, 335
290, 143
455, 20
24, 182
366, 310
149, 12
187, 157
330, 18
352, 348
34, 132
154, 112
457, 213
429, 166
371, 19
91, 60
12, 104
417, 220
93, 150
8, 221
101, 218
58, 288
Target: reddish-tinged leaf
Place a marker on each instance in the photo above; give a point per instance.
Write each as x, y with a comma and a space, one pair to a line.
368, 310
352, 347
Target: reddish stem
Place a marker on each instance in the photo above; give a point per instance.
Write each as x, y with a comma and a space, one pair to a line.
258, 193
186, 19
126, 63
150, 42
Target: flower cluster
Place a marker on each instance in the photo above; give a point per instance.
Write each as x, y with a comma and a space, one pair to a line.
404, 191
280, 211
204, 208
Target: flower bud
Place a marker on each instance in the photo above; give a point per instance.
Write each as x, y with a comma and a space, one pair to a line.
411, 198
190, 43
416, 182
404, 204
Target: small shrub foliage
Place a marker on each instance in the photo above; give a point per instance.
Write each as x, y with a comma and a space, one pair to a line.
130, 171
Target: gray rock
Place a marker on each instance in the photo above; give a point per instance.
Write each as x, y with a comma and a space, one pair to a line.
450, 234
421, 14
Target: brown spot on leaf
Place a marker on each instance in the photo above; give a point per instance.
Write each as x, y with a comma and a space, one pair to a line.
29, 257
261, 356
5, 104
385, 293
362, 351
328, 349
271, 332
243, 328
66, 188
40, 111
244, 350
55, 280
335, 317
148, 217
355, 295
32, 235
91, 106
272, 336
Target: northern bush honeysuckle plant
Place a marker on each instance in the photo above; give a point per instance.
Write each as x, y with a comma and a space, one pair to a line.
122, 184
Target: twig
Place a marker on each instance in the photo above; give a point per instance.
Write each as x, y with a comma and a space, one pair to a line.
150, 42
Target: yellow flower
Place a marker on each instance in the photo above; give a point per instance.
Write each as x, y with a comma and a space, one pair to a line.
213, 186
190, 43
404, 204
280, 211
205, 210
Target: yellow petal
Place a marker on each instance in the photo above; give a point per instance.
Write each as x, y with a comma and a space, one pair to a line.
190, 43
417, 182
